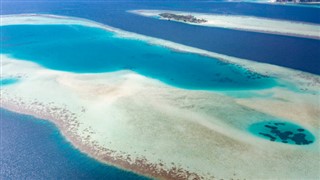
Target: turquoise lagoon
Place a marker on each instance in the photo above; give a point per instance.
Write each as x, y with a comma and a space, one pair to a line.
82, 49
8, 81
282, 132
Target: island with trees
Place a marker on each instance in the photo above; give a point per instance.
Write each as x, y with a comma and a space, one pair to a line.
184, 18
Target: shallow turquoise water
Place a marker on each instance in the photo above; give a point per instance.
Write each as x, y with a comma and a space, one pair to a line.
283, 132
8, 81
83, 49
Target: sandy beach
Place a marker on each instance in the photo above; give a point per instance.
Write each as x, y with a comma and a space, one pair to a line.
143, 125
244, 23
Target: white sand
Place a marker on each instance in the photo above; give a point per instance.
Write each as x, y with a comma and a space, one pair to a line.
246, 23
199, 131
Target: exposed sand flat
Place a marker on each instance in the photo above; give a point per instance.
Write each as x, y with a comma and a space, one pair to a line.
246, 23
141, 124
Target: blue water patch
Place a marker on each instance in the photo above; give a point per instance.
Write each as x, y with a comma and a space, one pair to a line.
35, 149
267, 48
8, 81
284, 132
83, 49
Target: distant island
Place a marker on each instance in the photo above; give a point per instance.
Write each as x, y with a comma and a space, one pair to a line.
237, 22
184, 18
299, 1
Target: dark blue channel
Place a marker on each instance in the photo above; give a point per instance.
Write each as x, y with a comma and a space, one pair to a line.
33, 148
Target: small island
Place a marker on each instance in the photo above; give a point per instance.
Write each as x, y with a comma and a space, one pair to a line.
299, 1
236, 22
184, 18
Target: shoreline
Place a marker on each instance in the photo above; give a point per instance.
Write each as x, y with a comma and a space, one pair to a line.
139, 166
65, 115
64, 120
232, 22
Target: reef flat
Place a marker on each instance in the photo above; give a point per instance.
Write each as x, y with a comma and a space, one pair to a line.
142, 124
244, 23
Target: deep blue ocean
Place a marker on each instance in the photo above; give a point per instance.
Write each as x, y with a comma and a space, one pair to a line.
34, 149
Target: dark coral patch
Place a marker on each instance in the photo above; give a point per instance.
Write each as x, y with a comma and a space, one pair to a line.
283, 132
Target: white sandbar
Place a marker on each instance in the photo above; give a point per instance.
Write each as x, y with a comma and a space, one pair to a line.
246, 23
143, 125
